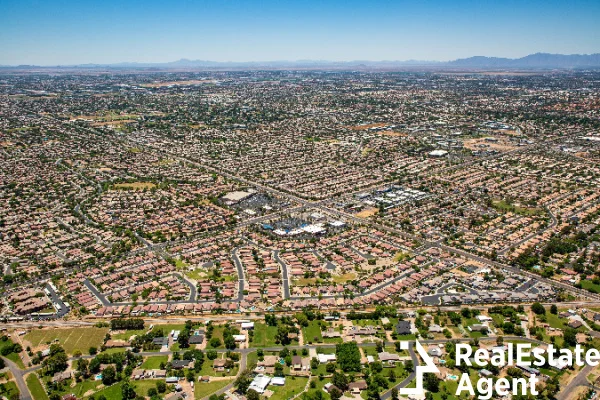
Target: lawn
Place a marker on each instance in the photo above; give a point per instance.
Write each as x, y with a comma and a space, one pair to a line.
142, 386
154, 362
502, 205
82, 388
71, 339
14, 357
202, 389
555, 321
36, 388
293, 386
264, 335
10, 389
207, 369
111, 392
167, 328
589, 285
127, 334
312, 332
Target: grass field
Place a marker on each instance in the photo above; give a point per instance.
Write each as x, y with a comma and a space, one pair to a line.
293, 386
14, 357
264, 335
202, 390
35, 387
502, 205
127, 334
154, 362
10, 390
312, 332
589, 285
71, 339
111, 392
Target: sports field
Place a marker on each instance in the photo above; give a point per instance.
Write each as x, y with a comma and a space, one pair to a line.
71, 339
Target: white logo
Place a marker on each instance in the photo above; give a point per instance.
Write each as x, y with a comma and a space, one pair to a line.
420, 370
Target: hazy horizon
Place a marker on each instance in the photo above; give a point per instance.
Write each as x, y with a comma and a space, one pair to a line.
69, 32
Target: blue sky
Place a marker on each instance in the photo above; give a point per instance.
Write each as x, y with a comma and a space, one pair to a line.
51, 32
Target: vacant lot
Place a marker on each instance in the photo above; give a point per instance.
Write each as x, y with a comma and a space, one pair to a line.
154, 362
312, 333
202, 390
368, 212
71, 339
264, 335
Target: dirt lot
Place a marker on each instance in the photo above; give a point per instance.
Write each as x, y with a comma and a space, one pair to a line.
481, 144
366, 213
178, 83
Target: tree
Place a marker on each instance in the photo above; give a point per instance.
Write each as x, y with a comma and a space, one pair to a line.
348, 357
340, 380
335, 394
538, 308
282, 335
152, 392
128, 391
161, 386
109, 375
570, 336
392, 376
211, 354
553, 309
242, 383
409, 366
431, 383
394, 394
93, 351
184, 339
252, 395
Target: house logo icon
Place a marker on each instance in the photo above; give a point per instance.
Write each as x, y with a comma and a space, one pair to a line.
420, 370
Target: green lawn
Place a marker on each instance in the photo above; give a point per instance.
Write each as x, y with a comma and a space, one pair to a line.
555, 321
10, 389
154, 362
264, 335
207, 369
36, 388
312, 333
111, 392
167, 328
71, 339
142, 386
202, 390
128, 334
14, 357
589, 285
293, 386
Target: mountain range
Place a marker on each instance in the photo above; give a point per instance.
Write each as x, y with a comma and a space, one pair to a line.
532, 61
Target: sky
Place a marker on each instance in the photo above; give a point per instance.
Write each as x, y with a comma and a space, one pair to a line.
66, 32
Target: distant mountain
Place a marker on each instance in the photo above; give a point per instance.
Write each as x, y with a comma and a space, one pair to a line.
538, 60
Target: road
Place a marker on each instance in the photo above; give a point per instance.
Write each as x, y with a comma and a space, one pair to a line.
579, 380
284, 272
18, 374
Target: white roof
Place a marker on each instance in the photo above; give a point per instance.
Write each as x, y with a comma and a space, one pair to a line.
325, 358
259, 383
278, 381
